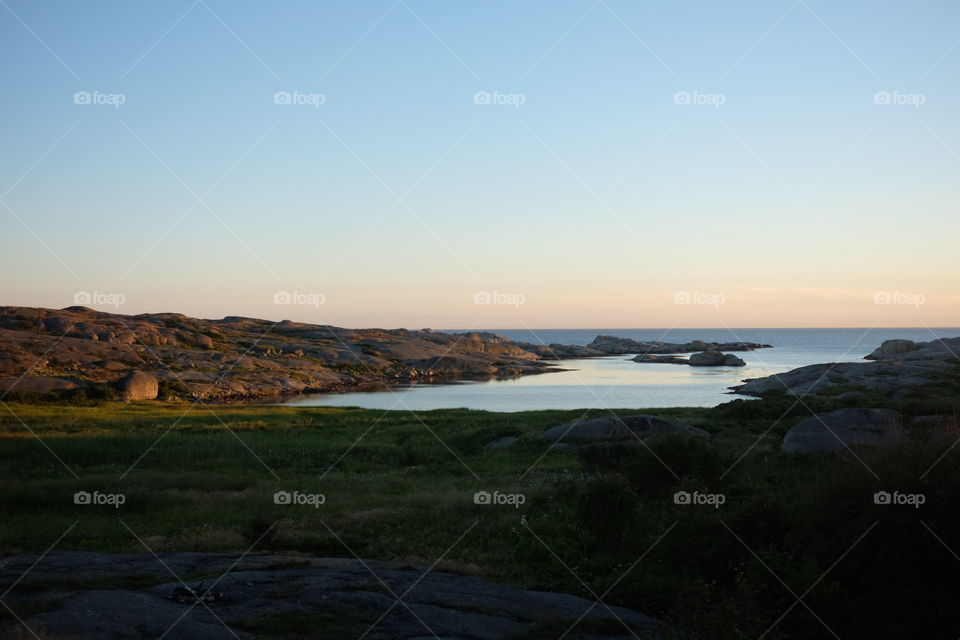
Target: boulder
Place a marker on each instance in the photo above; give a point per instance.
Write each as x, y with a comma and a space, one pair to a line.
892, 348
731, 360
714, 358
838, 430
202, 341
139, 386
618, 428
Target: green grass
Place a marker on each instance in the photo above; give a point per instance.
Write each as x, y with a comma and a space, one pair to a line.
399, 486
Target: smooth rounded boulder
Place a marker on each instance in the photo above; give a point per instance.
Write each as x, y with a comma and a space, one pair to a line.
714, 358
617, 428
139, 386
838, 430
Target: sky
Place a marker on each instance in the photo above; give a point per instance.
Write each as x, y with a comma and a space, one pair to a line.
495, 164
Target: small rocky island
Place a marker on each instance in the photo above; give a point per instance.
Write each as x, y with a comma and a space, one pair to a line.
611, 345
710, 358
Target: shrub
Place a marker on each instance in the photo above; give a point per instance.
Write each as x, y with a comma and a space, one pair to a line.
657, 467
607, 507
170, 389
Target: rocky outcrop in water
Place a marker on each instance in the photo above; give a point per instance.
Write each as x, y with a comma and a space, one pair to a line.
703, 359
612, 345
84, 595
715, 358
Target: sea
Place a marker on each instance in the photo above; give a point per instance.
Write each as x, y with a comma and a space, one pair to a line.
616, 382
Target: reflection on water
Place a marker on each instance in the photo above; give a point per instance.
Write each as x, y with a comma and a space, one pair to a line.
615, 381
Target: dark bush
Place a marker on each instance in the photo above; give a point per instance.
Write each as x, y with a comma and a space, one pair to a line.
170, 389
655, 468
607, 507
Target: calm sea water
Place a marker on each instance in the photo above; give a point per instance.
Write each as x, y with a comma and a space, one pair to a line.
617, 382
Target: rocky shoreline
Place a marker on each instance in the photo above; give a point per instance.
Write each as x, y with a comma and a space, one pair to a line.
897, 367
78, 353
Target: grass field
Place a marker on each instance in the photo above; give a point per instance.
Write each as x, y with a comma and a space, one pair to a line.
400, 486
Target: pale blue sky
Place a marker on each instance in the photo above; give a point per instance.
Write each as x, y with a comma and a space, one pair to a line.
796, 200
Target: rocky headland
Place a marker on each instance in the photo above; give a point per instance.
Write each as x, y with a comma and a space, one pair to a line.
897, 367
48, 352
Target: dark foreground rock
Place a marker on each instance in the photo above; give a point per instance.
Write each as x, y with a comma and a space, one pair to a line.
619, 428
89, 596
612, 345
845, 428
